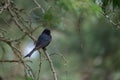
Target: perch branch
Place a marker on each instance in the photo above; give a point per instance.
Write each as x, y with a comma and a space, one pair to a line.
51, 64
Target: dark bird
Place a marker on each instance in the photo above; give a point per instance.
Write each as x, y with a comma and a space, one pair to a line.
42, 42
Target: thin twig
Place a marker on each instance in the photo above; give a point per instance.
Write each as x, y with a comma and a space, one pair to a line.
51, 64
39, 5
10, 61
25, 71
110, 20
62, 56
30, 71
14, 61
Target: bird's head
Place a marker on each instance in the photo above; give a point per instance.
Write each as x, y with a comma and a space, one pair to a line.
46, 31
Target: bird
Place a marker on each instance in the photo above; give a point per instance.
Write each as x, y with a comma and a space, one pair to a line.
43, 41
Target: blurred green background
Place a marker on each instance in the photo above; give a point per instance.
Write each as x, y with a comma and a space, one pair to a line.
85, 32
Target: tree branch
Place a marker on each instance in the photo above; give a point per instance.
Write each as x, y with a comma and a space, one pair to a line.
51, 64
14, 61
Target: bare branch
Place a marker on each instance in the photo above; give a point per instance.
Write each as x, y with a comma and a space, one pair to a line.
51, 64
19, 25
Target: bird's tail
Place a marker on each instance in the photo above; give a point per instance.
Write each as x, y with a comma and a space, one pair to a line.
28, 55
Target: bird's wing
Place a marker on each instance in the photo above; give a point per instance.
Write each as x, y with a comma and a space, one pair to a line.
42, 45
43, 41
